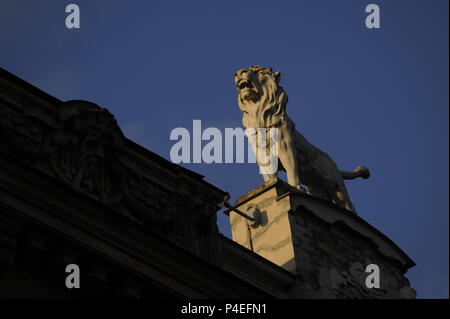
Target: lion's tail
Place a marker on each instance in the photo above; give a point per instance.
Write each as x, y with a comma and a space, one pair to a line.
360, 171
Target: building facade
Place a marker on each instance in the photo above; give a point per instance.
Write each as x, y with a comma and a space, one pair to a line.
75, 190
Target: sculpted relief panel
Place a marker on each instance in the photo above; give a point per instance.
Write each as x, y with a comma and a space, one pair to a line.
82, 145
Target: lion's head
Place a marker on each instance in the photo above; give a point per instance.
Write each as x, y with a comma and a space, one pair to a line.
260, 96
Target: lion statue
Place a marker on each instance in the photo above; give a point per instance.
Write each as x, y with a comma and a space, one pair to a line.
263, 104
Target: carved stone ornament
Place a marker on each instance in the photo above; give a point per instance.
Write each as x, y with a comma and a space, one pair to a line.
85, 153
83, 146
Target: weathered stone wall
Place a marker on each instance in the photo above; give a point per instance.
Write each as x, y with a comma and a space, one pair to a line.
331, 260
325, 246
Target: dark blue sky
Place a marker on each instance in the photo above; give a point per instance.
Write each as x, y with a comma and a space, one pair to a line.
372, 97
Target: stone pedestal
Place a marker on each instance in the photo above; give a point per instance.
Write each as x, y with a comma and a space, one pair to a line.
327, 247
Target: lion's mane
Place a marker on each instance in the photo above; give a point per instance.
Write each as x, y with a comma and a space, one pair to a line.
270, 108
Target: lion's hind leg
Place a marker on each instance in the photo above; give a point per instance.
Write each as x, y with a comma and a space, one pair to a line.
342, 199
